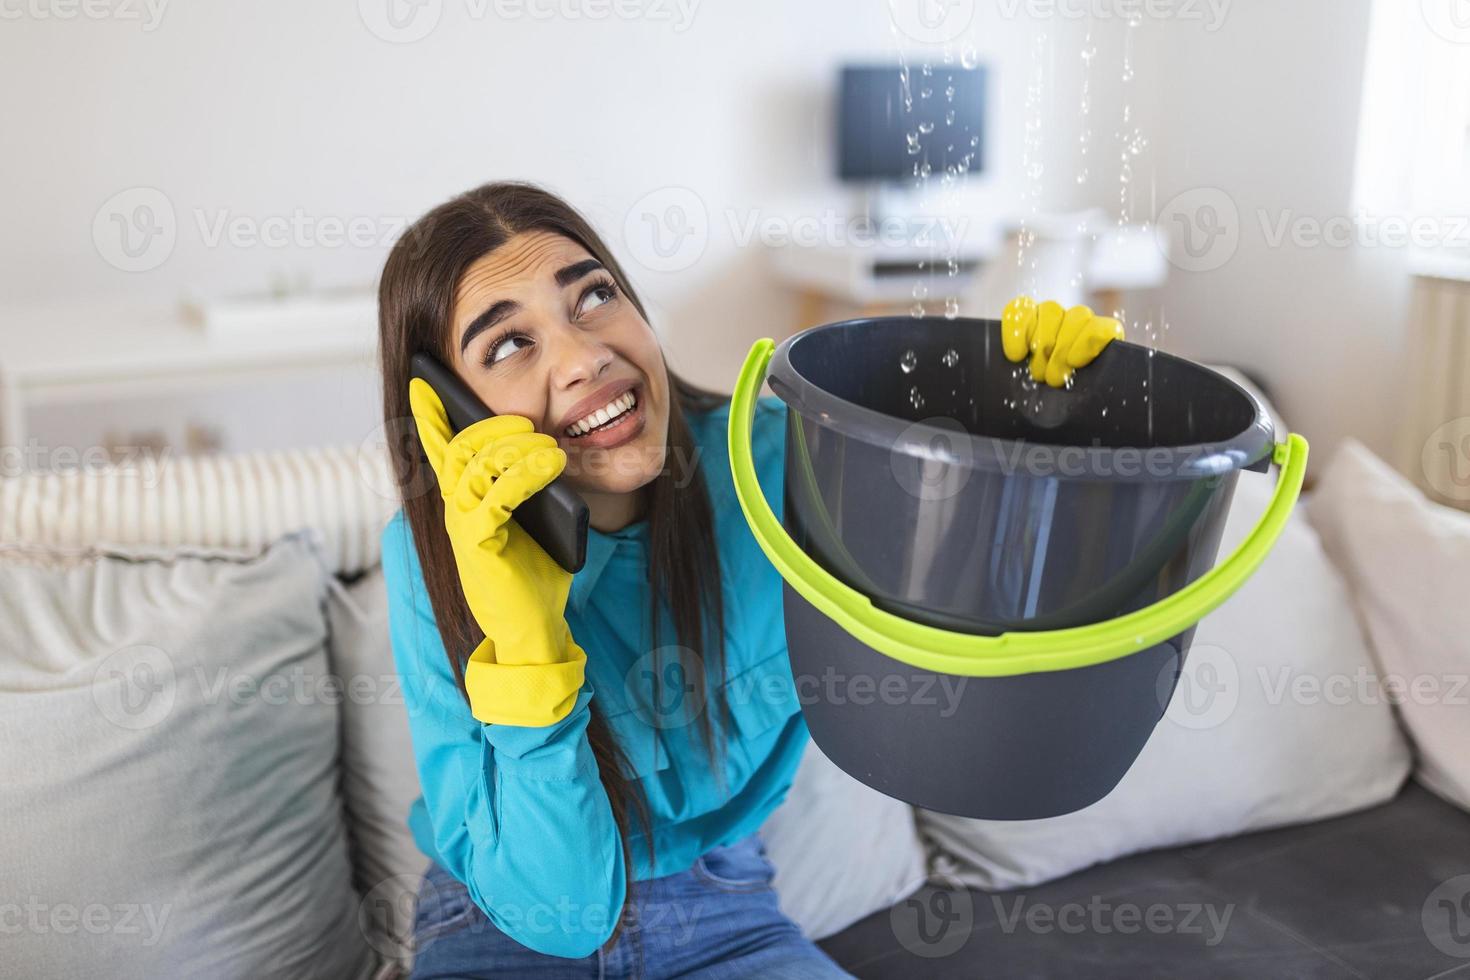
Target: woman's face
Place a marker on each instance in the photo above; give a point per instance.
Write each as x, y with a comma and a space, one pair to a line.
541, 330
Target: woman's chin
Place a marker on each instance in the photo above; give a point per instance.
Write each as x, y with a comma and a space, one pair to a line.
612, 471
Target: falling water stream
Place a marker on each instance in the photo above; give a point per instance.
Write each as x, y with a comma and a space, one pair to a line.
937, 193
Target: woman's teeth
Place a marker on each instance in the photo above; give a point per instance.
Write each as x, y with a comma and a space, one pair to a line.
602, 416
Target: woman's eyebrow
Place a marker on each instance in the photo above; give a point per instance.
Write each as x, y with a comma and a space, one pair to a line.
564, 276
567, 275
486, 320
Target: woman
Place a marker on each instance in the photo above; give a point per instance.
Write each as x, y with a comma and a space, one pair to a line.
596, 750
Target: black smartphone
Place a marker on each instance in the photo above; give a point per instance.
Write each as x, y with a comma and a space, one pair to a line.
555, 516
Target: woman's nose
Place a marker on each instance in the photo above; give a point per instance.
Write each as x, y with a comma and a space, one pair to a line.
578, 359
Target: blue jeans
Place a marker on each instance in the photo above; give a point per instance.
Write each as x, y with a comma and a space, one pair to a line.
717, 920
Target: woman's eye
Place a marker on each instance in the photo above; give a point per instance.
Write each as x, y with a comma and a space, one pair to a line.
502, 349
597, 296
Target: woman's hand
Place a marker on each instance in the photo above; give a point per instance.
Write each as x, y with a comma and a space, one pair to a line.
1057, 340
528, 670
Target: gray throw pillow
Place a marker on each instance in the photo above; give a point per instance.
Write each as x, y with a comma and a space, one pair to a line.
169, 741
379, 779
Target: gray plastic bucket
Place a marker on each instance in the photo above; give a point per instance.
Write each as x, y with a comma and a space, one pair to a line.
958, 497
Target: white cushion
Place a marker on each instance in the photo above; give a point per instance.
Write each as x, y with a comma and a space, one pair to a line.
827, 816
841, 850
1241, 747
1408, 561
170, 804
379, 780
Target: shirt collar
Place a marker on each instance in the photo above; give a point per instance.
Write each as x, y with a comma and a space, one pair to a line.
600, 548
602, 544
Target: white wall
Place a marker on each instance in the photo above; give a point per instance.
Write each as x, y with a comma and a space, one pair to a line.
276, 108
1266, 110
272, 108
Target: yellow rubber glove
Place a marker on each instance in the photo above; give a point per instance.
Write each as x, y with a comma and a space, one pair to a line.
528, 669
1057, 340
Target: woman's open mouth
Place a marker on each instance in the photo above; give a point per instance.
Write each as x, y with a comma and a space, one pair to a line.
611, 425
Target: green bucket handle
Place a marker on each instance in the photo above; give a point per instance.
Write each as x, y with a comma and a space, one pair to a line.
966, 654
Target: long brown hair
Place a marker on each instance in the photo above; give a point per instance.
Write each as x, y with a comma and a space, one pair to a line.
415, 303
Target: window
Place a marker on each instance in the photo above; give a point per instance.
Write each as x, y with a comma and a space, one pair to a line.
1414, 136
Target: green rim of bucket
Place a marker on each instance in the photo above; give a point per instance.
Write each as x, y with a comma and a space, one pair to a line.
966, 654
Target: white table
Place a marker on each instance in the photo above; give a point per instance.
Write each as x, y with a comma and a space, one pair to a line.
880, 279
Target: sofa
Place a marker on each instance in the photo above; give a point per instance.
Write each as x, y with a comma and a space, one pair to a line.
207, 765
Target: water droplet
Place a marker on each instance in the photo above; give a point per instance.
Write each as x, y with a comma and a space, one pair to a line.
951, 357
916, 311
916, 399
913, 143
951, 308
926, 127
921, 290
969, 57
949, 118
908, 361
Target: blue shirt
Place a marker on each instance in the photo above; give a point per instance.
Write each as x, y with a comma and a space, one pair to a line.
518, 813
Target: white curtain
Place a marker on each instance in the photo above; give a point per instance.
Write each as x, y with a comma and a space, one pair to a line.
1415, 132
